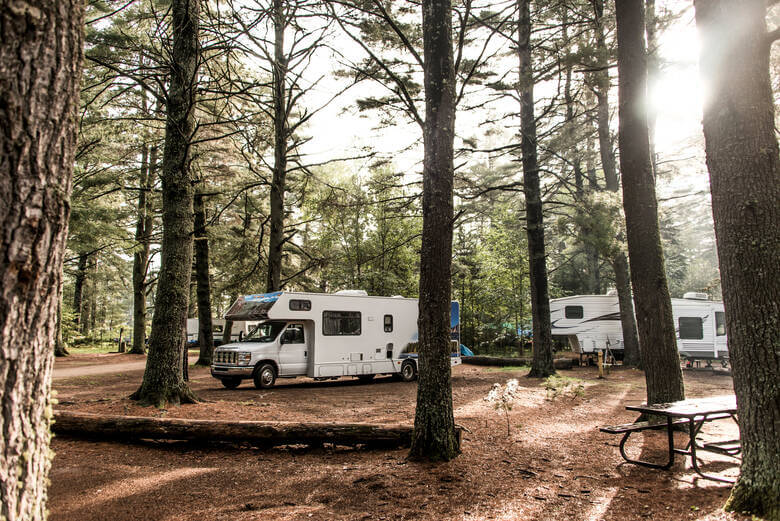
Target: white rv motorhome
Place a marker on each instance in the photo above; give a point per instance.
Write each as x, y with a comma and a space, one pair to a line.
591, 323
323, 336
239, 329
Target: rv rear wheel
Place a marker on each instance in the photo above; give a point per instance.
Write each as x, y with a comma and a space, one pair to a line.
231, 382
265, 376
408, 371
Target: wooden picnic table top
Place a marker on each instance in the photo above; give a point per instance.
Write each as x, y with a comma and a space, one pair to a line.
690, 408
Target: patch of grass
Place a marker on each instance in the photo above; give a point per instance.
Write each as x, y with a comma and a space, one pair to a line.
564, 386
93, 348
508, 369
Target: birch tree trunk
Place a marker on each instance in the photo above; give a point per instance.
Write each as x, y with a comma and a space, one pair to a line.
40, 67
434, 436
744, 165
657, 337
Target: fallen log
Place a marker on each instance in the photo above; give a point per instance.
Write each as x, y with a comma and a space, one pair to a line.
261, 433
558, 363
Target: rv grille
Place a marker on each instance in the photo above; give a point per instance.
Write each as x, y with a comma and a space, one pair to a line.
225, 357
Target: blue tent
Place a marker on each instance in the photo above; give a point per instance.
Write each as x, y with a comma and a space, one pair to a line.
465, 351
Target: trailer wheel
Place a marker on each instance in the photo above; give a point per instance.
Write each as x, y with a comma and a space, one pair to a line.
231, 382
408, 371
264, 376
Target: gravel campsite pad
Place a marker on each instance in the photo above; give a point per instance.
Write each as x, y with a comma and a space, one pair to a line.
553, 465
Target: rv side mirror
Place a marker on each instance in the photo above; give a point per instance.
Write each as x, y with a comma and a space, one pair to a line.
287, 337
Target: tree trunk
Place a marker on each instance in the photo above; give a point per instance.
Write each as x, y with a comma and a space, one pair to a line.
78, 286
40, 67
86, 299
141, 257
59, 344
654, 306
542, 365
631, 354
653, 72
205, 328
602, 85
744, 165
435, 437
163, 381
264, 433
276, 236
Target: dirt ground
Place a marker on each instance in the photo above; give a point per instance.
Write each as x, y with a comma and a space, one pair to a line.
553, 465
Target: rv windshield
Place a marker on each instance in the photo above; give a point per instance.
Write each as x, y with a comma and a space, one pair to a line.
265, 332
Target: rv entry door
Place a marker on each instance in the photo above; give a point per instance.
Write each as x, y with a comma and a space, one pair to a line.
292, 351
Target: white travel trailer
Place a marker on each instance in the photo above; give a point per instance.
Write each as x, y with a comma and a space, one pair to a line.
323, 336
239, 329
591, 323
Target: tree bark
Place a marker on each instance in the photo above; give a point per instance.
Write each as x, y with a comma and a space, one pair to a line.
435, 437
276, 236
78, 286
59, 344
653, 71
542, 365
631, 353
744, 165
654, 306
205, 327
141, 256
163, 381
602, 85
40, 68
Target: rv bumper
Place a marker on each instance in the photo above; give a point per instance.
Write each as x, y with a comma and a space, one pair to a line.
218, 371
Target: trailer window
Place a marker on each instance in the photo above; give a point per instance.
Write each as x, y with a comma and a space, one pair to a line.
341, 323
573, 312
300, 305
388, 323
691, 328
720, 323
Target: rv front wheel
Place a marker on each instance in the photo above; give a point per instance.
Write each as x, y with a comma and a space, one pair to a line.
265, 376
408, 371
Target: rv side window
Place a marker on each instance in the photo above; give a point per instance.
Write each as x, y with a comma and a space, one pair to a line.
388, 323
691, 328
720, 323
573, 312
300, 305
340, 323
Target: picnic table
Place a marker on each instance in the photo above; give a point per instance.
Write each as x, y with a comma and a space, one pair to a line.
694, 413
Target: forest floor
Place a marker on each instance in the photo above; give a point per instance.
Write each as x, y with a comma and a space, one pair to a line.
554, 464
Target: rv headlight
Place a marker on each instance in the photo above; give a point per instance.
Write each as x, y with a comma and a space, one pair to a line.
244, 358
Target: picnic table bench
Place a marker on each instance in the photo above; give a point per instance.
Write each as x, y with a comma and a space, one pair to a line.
694, 413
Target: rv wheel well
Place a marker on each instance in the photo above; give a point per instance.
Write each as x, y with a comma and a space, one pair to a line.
260, 363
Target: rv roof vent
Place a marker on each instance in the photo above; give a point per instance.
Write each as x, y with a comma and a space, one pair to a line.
611, 292
693, 295
353, 292
397, 296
